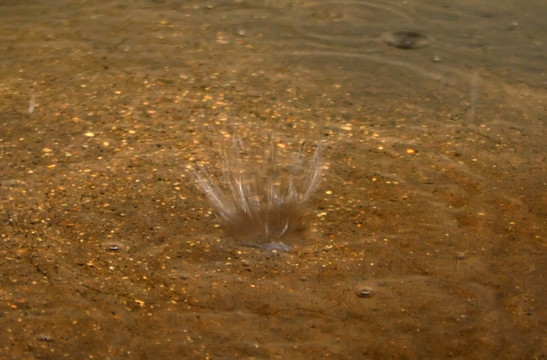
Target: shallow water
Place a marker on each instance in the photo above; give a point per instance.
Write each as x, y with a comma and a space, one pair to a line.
426, 236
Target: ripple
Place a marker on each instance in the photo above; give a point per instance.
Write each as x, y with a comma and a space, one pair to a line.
350, 25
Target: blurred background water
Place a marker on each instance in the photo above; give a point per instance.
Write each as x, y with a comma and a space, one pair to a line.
427, 235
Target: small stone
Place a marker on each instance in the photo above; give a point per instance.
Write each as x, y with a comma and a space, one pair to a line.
405, 39
45, 338
365, 293
113, 248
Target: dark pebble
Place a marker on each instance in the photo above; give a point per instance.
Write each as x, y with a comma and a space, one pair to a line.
405, 39
113, 248
365, 293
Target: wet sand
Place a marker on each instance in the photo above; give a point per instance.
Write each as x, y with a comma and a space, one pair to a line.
426, 237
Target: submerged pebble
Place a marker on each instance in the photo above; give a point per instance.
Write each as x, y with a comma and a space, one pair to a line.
45, 338
405, 39
113, 248
365, 293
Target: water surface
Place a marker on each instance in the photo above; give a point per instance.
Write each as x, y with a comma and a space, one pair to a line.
427, 234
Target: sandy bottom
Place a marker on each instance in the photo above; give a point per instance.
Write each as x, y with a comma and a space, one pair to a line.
425, 239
